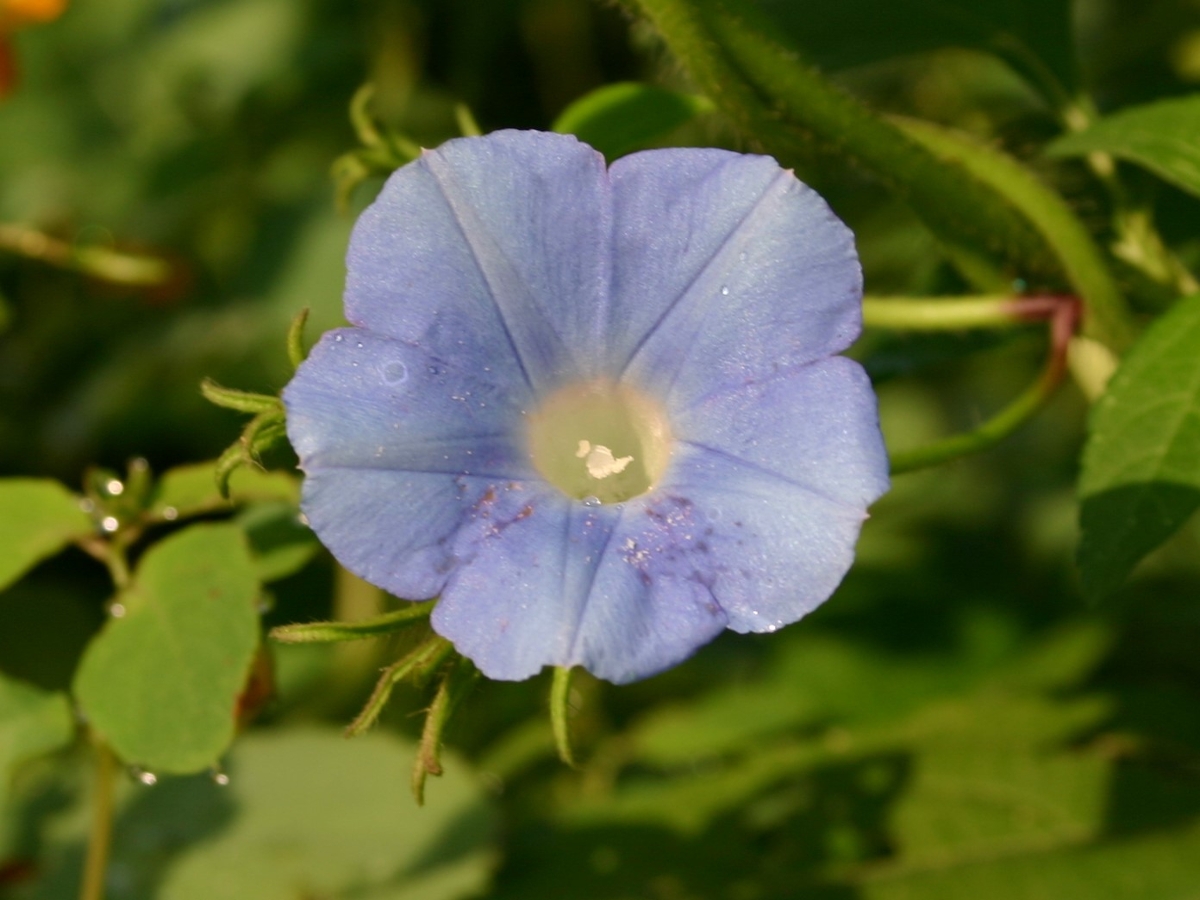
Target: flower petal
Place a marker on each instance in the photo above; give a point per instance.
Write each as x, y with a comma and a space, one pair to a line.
397, 446
772, 484
394, 529
364, 401
545, 582
496, 248
768, 551
726, 268
816, 427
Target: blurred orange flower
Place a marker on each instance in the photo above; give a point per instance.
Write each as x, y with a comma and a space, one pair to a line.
15, 14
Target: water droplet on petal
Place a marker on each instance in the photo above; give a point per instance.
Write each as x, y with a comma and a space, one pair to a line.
395, 373
725, 290
359, 345
338, 338
591, 501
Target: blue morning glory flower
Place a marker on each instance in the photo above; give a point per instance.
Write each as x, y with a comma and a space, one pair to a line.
598, 411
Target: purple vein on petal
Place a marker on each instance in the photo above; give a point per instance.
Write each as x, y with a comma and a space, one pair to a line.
758, 469
591, 584
455, 471
508, 308
723, 252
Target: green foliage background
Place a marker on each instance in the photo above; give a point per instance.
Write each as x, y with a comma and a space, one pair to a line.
957, 721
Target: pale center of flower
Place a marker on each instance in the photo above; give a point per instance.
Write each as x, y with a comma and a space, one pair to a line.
600, 440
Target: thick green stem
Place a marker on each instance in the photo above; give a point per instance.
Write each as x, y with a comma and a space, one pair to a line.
100, 837
955, 313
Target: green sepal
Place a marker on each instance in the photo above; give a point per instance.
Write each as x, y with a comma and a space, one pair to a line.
295, 339
263, 433
560, 703
456, 684
381, 152
418, 664
241, 401
331, 632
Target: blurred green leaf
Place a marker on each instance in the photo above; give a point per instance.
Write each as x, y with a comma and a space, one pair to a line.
1032, 36
1163, 136
32, 722
1141, 466
1155, 867
323, 816
845, 806
280, 545
191, 490
619, 118
161, 682
303, 813
38, 518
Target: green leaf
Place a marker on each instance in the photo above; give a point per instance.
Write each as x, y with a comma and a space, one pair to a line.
320, 816
304, 814
38, 518
1141, 466
192, 490
619, 118
1163, 136
836, 804
161, 682
32, 722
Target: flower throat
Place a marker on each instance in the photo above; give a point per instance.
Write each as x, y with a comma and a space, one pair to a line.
600, 440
